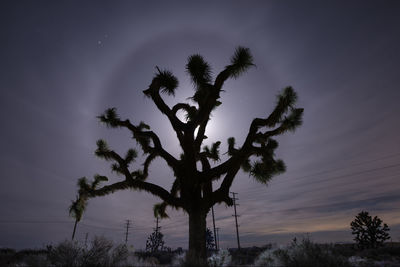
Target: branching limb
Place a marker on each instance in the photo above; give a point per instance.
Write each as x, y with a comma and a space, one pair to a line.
211, 153
132, 180
89, 191
239, 157
207, 95
165, 82
142, 135
191, 111
160, 208
153, 189
241, 61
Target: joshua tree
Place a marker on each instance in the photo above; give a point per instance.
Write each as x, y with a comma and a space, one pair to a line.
192, 189
368, 231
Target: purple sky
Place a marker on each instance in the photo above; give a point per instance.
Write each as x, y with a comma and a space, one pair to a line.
62, 64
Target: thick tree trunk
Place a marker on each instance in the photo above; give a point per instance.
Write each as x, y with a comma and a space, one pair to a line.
197, 254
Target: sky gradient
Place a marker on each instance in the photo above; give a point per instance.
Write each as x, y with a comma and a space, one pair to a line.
62, 64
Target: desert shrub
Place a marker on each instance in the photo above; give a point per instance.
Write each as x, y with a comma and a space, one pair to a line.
246, 256
7, 256
101, 252
269, 257
345, 250
307, 253
120, 255
304, 253
39, 260
178, 259
25, 257
66, 253
221, 258
162, 256
382, 253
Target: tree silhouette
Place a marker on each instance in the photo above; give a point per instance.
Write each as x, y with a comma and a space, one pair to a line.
210, 244
192, 188
155, 242
368, 231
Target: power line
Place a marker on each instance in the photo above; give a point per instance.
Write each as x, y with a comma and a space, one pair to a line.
256, 192
329, 178
101, 227
33, 221
341, 168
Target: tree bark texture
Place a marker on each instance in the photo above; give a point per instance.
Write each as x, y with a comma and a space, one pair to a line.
197, 254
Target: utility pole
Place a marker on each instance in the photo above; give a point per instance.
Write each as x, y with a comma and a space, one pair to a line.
237, 226
157, 227
215, 236
86, 238
127, 231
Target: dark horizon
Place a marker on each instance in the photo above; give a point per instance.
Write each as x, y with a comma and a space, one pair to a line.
63, 64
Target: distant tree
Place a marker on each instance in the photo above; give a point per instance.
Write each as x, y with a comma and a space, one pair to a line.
155, 242
369, 232
192, 187
210, 244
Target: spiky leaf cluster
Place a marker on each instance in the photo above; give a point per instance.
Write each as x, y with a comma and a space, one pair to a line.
120, 165
102, 150
130, 156
199, 71
241, 61
79, 205
266, 166
285, 103
293, 120
77, 208
213, 152
110, 118
263, 170
97, 180
167, 81
231, 146
159, 210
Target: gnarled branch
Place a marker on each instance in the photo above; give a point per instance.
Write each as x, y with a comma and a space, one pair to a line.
141, 136
138, 185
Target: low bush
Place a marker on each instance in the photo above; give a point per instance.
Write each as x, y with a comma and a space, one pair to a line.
246, 256
304, 253
163, 257
221, 258
101, 252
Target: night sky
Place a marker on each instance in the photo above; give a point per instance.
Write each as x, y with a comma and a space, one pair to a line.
63, 64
